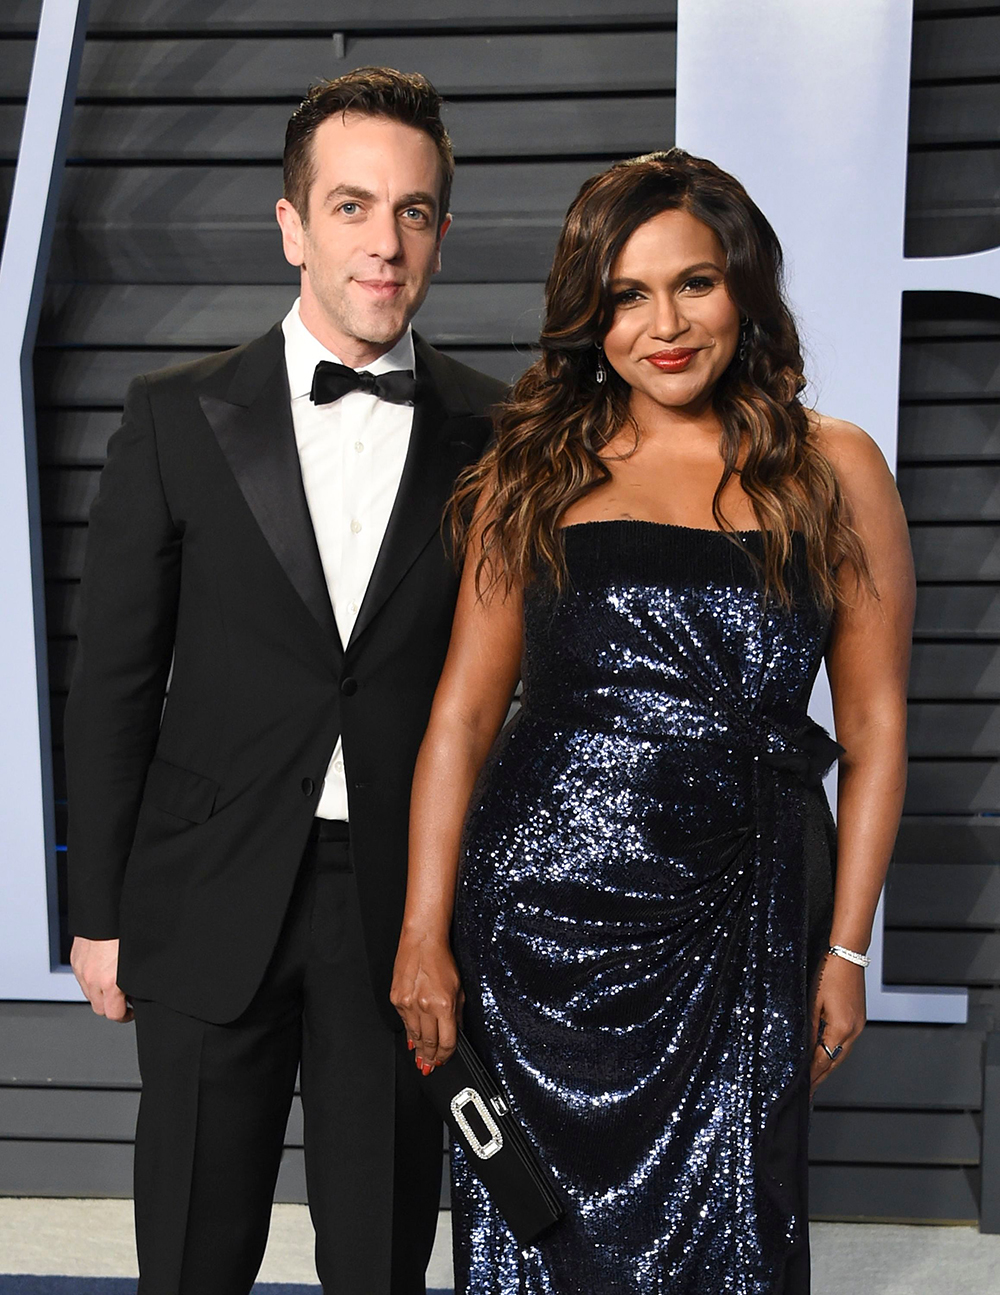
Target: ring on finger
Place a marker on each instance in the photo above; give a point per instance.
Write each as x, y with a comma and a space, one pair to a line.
832, 1053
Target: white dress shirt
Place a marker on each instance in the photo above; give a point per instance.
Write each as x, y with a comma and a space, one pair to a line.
351, 453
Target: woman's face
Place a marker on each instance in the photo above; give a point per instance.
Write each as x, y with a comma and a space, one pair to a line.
675, 328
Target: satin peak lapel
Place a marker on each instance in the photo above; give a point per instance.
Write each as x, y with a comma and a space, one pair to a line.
254, 431
434, 456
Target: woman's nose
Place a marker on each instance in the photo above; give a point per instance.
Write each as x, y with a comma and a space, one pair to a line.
668, 322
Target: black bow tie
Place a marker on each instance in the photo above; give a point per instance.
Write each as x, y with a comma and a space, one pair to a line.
331, 381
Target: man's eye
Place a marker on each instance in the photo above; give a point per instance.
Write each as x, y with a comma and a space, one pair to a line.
415, 213
349, 208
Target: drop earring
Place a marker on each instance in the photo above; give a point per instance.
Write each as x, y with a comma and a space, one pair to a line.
602, 372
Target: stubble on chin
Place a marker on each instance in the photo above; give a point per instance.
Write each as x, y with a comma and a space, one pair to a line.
370, 324
376, 327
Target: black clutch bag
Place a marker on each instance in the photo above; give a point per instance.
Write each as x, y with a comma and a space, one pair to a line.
498, 1152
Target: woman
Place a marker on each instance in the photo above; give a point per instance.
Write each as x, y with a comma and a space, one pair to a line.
644, 909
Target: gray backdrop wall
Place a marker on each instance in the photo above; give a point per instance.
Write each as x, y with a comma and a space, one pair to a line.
167, 250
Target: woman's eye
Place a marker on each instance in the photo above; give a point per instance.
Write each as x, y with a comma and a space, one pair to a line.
699, 284
627, 297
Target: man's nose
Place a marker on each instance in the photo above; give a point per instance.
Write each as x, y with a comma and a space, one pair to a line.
384, 240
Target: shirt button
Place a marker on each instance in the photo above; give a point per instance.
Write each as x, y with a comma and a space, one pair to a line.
359, 446
355, 526
339, 765
352, 608
349, 686
308, 786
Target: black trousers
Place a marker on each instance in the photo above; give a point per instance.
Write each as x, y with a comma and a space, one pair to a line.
215, 1102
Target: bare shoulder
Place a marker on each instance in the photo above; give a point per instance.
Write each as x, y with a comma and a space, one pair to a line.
869, 490
856, 459
848, 447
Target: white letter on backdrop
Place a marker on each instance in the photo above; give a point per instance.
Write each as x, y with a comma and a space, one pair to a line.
807, 102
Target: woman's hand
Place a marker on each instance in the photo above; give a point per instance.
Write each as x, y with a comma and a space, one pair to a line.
838, 1015
427, 994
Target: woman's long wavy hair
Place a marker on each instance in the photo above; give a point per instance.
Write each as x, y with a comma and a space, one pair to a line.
558, 418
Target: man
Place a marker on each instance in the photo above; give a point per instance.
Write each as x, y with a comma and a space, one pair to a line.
266, 549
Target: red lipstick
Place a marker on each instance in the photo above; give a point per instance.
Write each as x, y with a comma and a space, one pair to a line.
674, 359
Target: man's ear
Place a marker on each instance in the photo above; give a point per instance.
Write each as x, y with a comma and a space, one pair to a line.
445, 226
292, 234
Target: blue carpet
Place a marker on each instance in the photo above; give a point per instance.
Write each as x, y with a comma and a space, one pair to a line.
126, 1286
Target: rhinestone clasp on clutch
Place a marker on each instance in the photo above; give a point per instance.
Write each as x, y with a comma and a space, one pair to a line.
469, 1097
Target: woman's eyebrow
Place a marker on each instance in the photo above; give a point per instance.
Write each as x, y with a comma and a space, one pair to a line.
622, 281
702, 265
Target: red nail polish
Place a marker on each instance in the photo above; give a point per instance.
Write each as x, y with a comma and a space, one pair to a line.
410, 1044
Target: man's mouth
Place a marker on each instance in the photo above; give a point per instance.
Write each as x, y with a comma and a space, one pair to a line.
381, 289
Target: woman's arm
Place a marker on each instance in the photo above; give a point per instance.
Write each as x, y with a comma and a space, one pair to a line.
472, 700
868, 665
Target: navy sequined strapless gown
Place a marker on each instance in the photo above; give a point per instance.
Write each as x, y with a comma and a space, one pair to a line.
645, 884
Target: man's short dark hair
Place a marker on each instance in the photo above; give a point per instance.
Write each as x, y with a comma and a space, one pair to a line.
406, 97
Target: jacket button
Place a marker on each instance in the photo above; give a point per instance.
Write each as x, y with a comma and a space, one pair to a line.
308, 786
349, 686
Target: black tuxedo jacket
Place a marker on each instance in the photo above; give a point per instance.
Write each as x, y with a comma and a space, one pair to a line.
203, 581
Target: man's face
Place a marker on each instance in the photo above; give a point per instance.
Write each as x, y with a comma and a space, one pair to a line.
373, 234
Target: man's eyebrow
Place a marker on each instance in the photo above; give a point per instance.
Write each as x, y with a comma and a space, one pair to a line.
418, 196
348, 191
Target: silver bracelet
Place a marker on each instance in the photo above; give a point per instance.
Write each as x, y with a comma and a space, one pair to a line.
849, 955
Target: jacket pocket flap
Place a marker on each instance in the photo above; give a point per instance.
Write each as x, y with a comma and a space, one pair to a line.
179, 791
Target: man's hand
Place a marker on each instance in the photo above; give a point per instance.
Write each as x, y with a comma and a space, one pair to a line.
95, 965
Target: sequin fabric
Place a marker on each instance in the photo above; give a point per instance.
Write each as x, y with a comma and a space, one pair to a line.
632, 920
